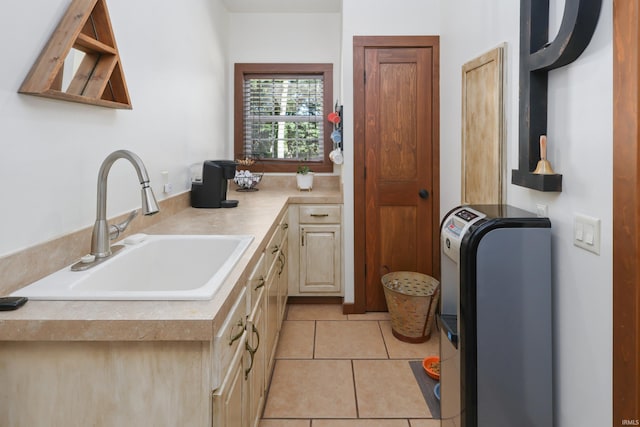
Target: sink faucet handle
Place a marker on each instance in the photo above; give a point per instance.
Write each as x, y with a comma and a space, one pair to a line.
116, 229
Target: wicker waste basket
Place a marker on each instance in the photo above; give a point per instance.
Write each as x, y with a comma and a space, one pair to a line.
412, 299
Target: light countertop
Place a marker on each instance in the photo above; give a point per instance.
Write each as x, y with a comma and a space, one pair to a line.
256, 215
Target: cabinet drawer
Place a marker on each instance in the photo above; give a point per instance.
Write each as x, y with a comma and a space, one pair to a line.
317, 214
232, 333
272, 251
256, 282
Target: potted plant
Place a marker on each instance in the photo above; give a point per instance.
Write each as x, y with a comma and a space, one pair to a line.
304, 176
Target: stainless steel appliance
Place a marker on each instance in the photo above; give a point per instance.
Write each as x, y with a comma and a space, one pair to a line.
496, 318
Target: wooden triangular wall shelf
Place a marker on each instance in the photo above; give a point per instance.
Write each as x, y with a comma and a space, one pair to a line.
84, 35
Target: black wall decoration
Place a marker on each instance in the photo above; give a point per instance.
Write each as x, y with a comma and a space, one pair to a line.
537, 58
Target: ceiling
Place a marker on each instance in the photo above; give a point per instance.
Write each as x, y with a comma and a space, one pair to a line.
283, 6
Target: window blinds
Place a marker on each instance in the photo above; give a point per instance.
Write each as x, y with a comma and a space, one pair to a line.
283, 117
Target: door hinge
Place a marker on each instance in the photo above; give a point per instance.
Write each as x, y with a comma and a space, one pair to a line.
365, 270
365, 172
365, 77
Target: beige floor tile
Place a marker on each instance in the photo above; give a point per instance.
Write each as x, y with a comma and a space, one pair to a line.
315, 312
402, 350
311, 389
349, 339
388, 389
372, 315
285, 423
360, 423
296, 340
423, 423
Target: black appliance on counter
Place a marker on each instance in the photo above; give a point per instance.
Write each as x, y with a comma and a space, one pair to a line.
211, 191
496, 337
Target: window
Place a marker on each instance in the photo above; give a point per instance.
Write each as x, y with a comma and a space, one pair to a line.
280, 115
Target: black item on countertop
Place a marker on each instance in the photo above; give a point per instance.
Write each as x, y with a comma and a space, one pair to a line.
211, 192
12, 303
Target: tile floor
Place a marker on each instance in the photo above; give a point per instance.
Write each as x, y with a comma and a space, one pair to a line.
336, 370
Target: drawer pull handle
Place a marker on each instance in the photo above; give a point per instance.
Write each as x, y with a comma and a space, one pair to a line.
239, 334
283, 261
320, 215
260, 284
252, 351
285, 226
275, 249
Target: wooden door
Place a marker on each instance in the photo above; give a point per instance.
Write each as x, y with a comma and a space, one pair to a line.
626, 208
400, 215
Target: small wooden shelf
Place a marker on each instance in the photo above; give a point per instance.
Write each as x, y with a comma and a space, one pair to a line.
537, 182
97, 78
88, 44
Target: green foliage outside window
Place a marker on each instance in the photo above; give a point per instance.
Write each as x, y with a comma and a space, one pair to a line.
284, 118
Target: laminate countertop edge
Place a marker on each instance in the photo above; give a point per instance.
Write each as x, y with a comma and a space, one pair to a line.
257, 214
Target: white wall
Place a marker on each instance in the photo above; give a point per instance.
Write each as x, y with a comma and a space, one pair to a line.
580, 124
174, 60
580, 138
284, 37
372, 18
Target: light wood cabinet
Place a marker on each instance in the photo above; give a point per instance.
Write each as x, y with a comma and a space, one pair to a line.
230, 395
268, 288
276, 291
283, 280
230, 401
320, 258
215, 374
271, 323
255, 372
315, 242
229, 339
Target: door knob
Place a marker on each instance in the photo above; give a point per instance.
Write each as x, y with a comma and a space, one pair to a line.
424, 194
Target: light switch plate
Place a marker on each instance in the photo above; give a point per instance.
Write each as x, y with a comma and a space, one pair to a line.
586, 233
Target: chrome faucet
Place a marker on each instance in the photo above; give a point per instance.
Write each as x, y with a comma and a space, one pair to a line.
102, 233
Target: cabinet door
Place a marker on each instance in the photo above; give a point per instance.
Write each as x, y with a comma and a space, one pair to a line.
255, 372
230, 400
320, 258
271, 324
283, 281
228, 339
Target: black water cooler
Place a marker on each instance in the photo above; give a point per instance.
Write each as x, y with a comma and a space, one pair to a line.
496, 322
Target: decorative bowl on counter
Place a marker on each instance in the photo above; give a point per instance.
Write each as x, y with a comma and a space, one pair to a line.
247, 180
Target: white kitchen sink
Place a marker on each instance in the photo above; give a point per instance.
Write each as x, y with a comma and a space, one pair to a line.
149, 267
